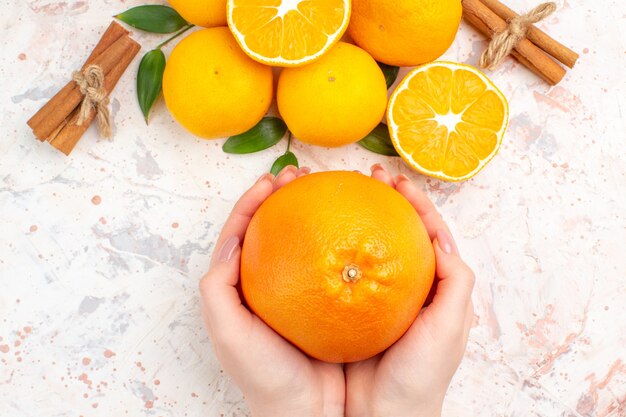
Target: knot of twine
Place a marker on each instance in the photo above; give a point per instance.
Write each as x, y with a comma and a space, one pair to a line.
91, 85
503, 43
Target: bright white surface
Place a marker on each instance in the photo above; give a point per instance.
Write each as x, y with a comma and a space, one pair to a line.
101, 252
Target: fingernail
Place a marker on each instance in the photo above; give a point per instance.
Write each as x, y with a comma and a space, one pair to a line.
446, 242
306, 170
287, 169
402, 177
228, 249
377, 167
265, 177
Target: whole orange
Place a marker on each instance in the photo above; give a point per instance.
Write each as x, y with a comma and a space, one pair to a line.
206, 13
405, 32
212, 88
334, 101
337, 263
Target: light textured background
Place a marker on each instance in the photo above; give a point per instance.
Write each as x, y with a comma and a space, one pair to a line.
101, 252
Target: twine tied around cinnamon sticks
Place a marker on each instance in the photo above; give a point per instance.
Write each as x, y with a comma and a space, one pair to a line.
64, 119
503, 43
534, 49
90, 81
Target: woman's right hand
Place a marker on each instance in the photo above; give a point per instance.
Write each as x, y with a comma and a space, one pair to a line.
410, 378
275, 377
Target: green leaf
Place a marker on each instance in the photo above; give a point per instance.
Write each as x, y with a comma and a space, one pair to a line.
149, 80
154, 18
267, 133
285, 160
378, 141
390, 72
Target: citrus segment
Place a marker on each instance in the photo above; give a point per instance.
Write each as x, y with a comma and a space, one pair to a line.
434, 88
487, 111
287, 32
414, 108
479, 139
447, 120
467, 87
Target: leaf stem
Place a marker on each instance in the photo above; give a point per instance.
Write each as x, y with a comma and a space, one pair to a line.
177, 34
288, 143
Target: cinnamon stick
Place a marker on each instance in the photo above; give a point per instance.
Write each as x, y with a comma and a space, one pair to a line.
533, 57
66, 138
66, 104
559, 51
112, 34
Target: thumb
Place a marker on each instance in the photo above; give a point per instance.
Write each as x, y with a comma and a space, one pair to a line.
218, 290
456, 279
225, 265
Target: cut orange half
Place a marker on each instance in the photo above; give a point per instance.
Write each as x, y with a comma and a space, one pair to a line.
447, 120
287, 33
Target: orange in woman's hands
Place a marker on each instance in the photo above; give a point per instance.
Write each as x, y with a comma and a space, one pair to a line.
277, 379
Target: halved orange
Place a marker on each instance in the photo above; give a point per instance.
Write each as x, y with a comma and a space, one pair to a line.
287, 33
447, 120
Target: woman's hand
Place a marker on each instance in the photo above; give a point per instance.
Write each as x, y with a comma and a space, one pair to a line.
275, 377
412, 376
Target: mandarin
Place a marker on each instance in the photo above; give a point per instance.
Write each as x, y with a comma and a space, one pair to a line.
212, 88
206, 13
405, 32
336, 100
447, 120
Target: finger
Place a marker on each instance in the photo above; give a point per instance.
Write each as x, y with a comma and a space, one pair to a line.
303, 171
424, 207
380, 173
285, 176
456, 281
222, 306
244, 209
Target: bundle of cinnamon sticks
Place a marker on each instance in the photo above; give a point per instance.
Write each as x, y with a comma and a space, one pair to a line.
57, 122
537, 51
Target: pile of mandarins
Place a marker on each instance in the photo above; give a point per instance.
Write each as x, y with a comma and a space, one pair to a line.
445, 119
